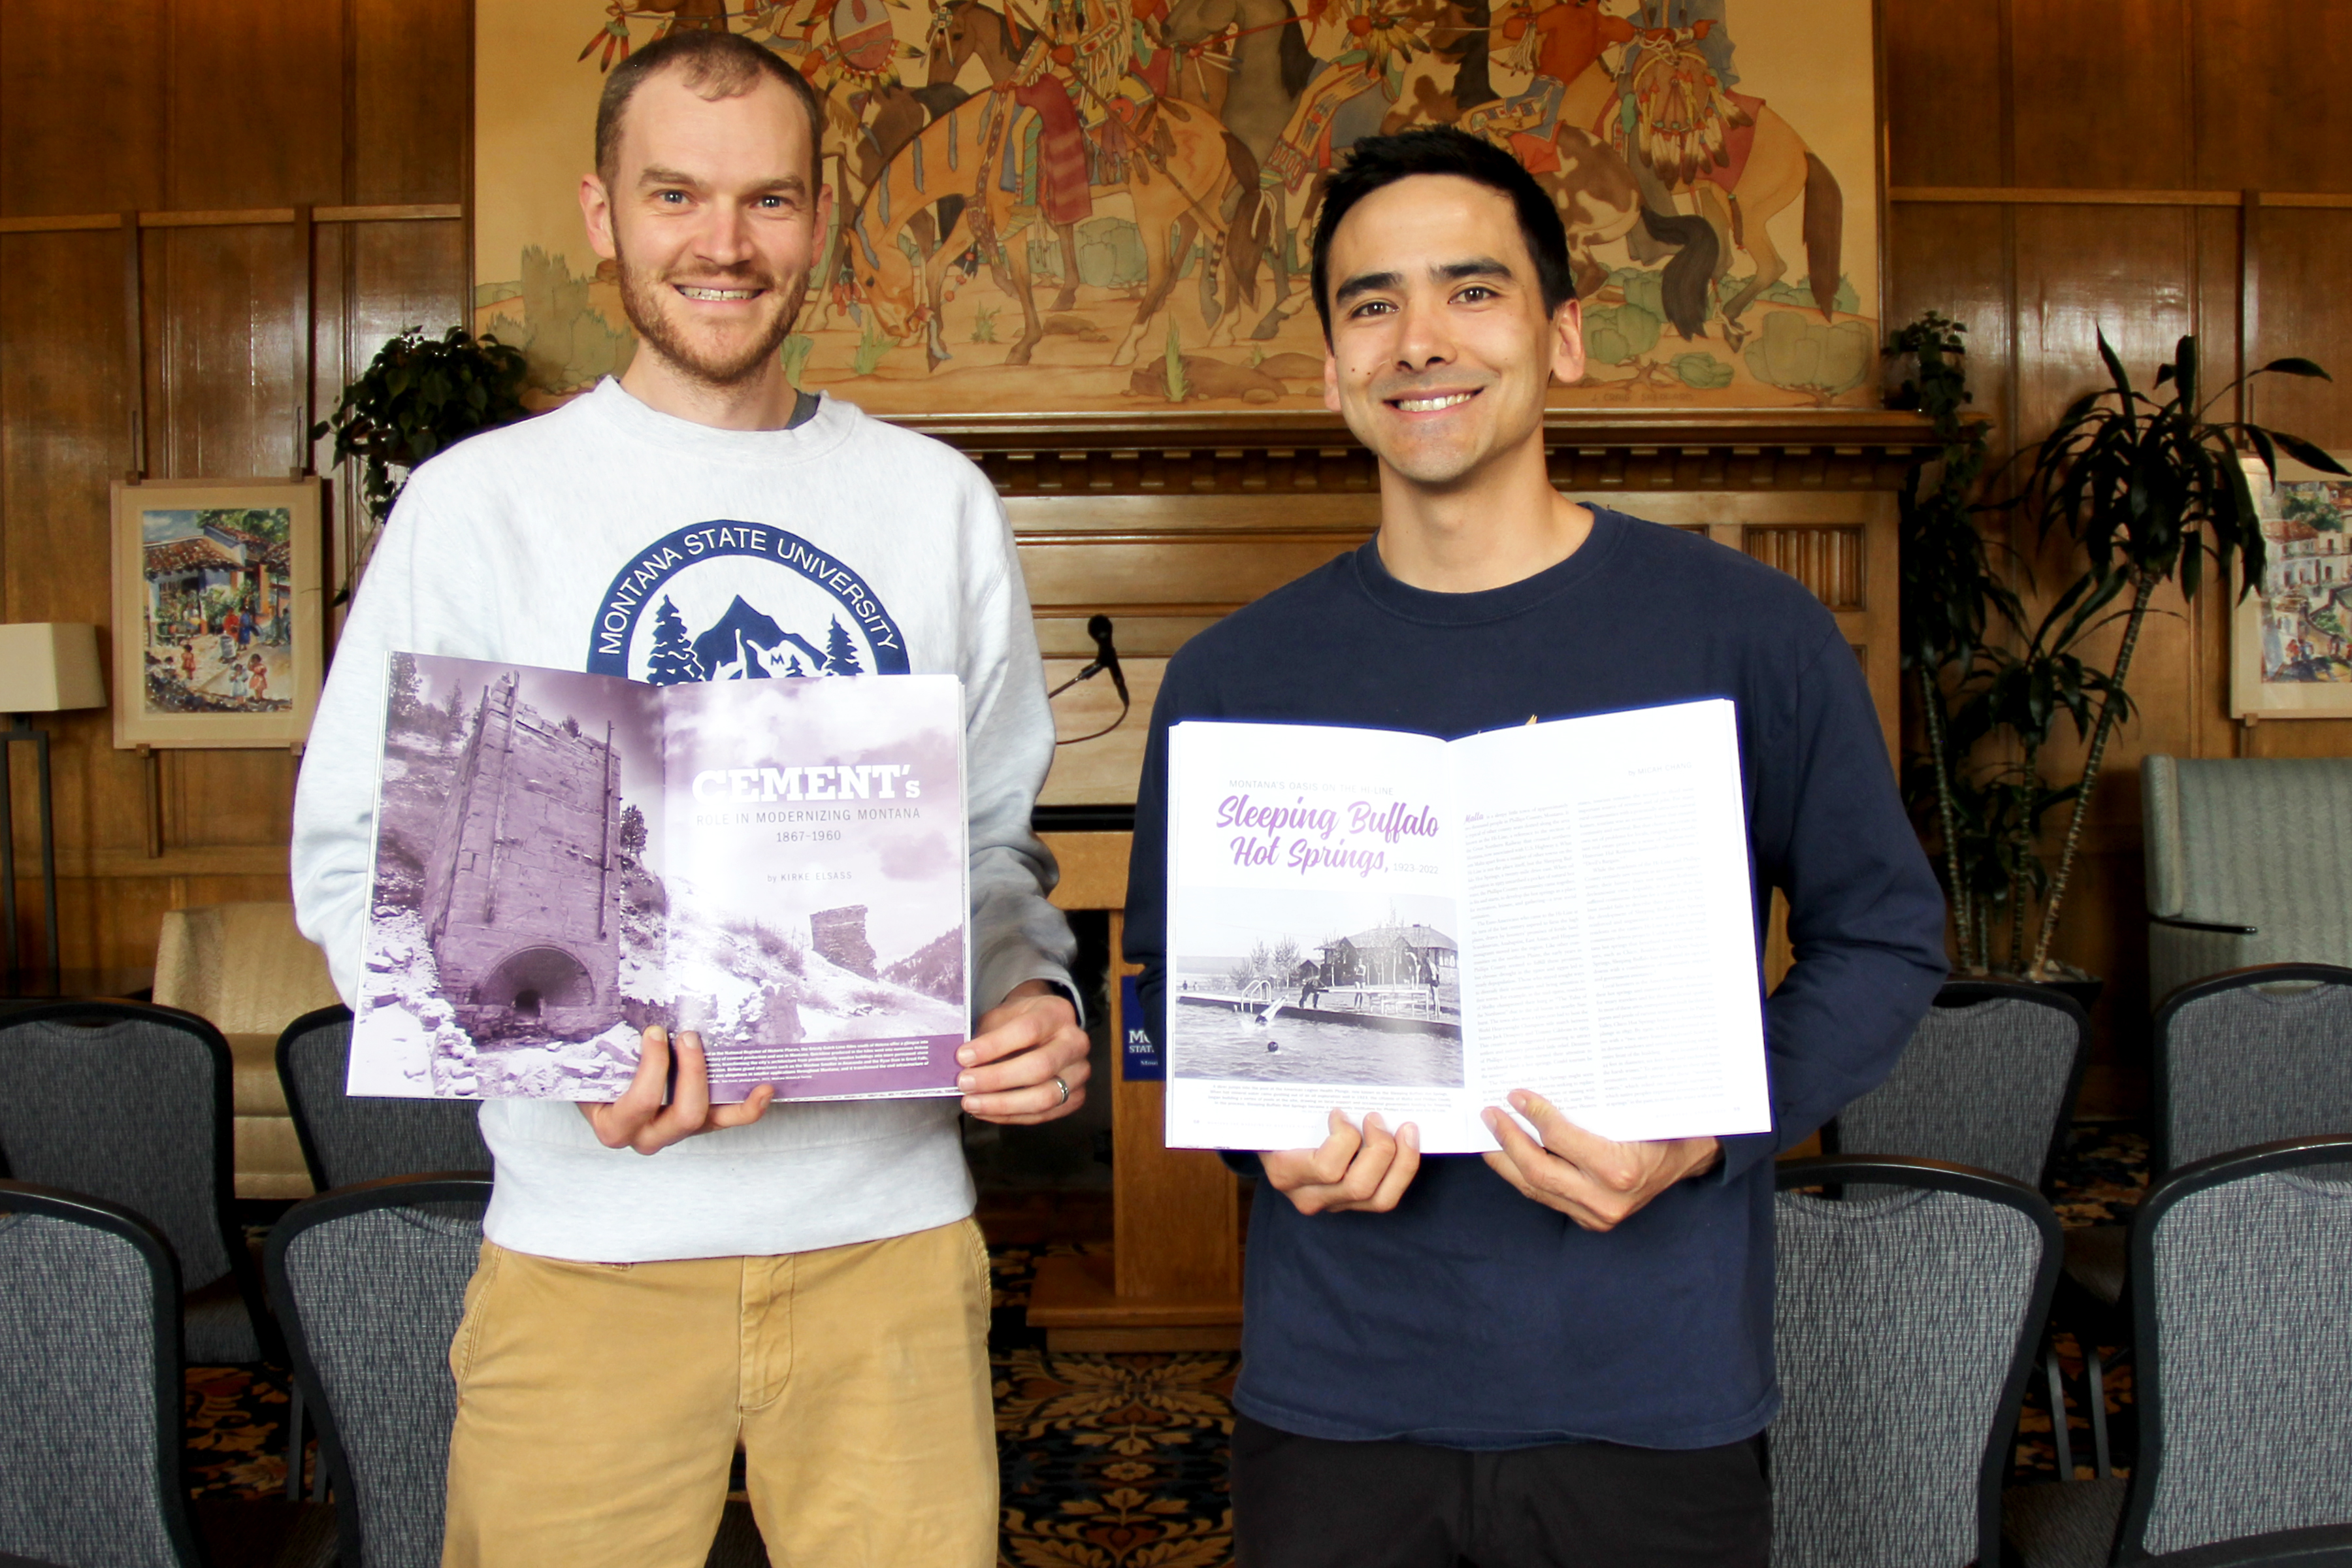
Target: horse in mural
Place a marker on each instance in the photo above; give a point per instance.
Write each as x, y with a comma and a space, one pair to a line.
1713, 167
859, 147
1737, 162
956, 172
1283, 104
889, 117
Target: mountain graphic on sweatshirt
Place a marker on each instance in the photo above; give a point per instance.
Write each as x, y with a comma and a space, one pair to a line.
745, 644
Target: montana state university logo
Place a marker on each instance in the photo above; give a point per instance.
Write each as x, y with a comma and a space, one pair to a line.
690, 608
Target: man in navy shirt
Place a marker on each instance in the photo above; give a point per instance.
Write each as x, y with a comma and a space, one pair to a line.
1561, 1352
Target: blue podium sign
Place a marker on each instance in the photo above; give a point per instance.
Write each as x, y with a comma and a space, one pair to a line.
1140, 1061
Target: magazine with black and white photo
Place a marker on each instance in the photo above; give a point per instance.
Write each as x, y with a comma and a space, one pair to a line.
562, 860
1369, 920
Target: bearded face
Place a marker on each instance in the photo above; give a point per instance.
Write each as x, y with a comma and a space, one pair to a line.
712, 219
719, 326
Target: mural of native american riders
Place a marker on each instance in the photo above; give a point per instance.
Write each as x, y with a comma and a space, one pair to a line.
1170, 160
1082, 205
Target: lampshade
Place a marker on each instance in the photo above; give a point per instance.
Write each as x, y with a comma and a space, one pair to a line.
47, 667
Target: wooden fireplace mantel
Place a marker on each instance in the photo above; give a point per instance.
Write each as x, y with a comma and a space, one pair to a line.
1295, 450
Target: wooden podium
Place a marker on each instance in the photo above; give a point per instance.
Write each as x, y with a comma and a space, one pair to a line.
1173, 1278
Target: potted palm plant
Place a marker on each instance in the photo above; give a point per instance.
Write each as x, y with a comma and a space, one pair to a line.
2148, 483
1952, 600
2016, 697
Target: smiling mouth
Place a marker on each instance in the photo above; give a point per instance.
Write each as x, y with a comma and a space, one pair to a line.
693, 292
1432, 403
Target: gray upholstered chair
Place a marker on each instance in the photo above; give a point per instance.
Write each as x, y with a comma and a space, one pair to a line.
91, 1452
1903, 1329
370, 1281
2251, 1057
2242, 1296
2242, 1292
346, 1139
2247, 863
1988, 1081
130, 1103
2242, 1058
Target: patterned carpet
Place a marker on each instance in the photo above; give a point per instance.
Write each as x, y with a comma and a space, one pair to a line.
1119, 1461
236, 1436
1109, 1461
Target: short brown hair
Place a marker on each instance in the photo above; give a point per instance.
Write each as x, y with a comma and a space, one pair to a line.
716, 65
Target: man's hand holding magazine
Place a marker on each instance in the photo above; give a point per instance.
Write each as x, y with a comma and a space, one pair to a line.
1028, 1062
639, 1120
1026, 1065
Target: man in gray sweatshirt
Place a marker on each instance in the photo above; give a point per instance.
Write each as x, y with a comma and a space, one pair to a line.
663, 1281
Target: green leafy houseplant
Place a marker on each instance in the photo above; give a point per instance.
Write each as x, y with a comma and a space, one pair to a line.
1951, 597
2017, 696
418, 396
2148, 483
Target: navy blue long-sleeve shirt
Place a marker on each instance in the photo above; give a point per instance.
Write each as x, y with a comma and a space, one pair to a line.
1469, 1316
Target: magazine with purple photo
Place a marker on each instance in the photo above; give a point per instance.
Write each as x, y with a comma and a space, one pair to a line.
564, 859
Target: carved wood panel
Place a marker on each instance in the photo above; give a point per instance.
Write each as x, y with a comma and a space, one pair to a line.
1165, 565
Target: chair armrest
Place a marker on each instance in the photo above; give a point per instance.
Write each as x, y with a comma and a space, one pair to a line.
2324, 1546
2221, 927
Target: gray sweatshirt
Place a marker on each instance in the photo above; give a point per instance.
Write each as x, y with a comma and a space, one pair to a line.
581, 540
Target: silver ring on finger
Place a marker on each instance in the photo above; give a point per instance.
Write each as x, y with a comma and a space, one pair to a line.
1064, 1090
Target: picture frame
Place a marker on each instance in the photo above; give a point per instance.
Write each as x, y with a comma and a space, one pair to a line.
2290, 639
219, 634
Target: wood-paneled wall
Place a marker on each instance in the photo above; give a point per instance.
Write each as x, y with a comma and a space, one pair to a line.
2093, 111
176, 105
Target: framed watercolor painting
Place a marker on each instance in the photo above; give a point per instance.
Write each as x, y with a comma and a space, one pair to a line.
2291, 639
218, 635
1076, 207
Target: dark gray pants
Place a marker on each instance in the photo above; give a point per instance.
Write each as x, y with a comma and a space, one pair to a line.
1306, 1502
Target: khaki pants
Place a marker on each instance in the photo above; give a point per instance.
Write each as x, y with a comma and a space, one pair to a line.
599, 1407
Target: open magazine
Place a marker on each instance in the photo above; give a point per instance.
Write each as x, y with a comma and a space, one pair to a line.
562, 860
1369, 921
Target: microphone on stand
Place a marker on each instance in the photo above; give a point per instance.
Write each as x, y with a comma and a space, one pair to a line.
1105, 657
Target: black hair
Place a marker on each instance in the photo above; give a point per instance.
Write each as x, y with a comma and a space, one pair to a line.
716, 65
1378, 160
